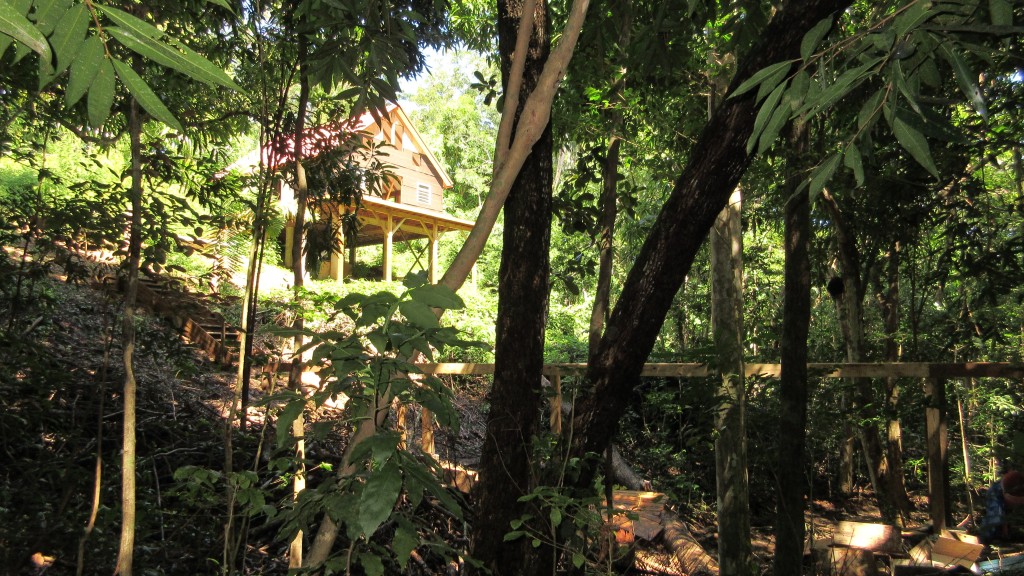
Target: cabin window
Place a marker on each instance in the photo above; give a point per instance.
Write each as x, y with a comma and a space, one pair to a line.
423, 193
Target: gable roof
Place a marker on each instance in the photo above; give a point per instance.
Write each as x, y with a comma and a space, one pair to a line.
322, 138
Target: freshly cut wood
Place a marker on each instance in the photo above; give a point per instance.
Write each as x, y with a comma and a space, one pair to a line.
648, 509
880, 538
945, 552
839, 561
691, 556
653, 564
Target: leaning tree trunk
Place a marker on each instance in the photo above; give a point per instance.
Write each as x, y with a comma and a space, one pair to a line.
793, 386
699, 195
516, 397
126, 552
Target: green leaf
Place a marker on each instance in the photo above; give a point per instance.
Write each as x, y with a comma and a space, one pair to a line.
779, 119
222, 4
145, 95
67, 40
48, 13
578, 559
764, 114
846, 82
772, 83
379, 497
404, 542
418, 314
760, 76
869, 110
822, 174
513, 535
142, 38
101, 94
17, 26
556, 517
437, 296
1001, 12
814, 37
292, 410
965, 78
901, 83
913, 142
129, 22
852, 160
371, 563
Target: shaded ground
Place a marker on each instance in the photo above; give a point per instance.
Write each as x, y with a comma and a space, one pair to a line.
60, 377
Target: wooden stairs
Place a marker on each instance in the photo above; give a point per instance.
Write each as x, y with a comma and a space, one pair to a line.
201, 327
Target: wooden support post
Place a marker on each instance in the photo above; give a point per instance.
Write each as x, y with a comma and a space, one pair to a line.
351, 269
433, 238
427, 426
401, 418
289, 230
338, 257
389, 235
556, 406
938, 444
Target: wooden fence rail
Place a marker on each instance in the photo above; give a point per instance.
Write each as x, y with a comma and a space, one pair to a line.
815, 369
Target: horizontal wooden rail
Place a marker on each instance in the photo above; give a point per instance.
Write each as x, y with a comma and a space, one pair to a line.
816, 369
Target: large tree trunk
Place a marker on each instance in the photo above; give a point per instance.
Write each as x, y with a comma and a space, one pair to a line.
699, 195
734, 550
516, 397
793, 387
126, 552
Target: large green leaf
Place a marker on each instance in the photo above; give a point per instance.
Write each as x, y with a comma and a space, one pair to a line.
83, 70
418, 314
101, 94
913, 142
437, 296
761, 76
965, 78
821, 175
379, 497
143, 38
145, 95
66, 41
16, 26
764, 114
1001, 12
814, 37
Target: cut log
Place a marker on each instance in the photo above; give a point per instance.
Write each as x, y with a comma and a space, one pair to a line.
690, 555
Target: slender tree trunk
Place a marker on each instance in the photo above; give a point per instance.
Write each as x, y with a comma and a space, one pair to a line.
851, 317
700, 193
97, 485
726, 248
516, 398
793, 385
298, 279
897, 488
126, 552
734, 549
609, 187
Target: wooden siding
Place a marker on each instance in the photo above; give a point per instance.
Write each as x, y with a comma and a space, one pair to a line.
412, 169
